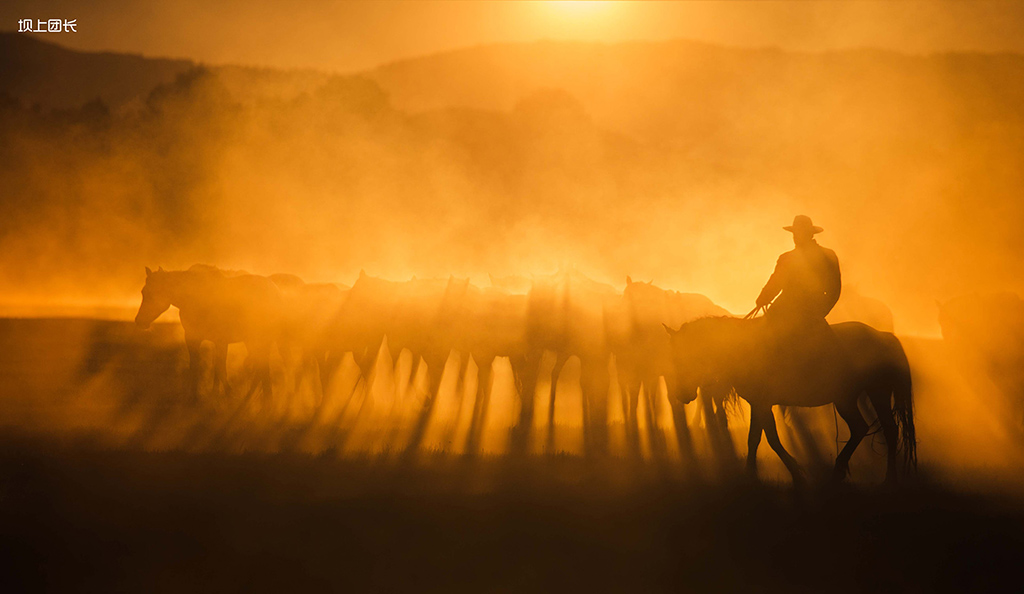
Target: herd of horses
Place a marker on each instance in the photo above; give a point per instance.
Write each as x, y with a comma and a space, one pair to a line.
650, 338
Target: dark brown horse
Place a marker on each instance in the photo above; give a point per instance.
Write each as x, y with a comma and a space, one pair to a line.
218, 308
815, 371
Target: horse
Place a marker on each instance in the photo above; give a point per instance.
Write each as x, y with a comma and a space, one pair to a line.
566, 315
644, 357
219, 308
747, 355
309, 309
485, 324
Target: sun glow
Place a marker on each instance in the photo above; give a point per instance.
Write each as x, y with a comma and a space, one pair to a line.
581, 16
579, 6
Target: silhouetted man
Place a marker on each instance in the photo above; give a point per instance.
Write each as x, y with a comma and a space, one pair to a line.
806, 281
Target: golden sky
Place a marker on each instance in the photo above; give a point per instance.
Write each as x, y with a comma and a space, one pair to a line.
345, 36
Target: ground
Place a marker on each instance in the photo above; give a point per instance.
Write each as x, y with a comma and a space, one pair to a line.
110, 481
78, 518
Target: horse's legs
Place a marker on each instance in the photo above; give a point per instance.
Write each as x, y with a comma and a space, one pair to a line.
328, 363
366, 362
435, 364
858, 429
675, 404
630, 387
771, 432
594, 385
526, 372
220, 368
652, 387
716, 424
525, 377
721, 417
480, 404
880, 401
262, 353
754, 438
556, 372
460, 392
194, 363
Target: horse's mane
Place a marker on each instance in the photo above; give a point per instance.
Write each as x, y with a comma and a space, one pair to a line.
709, 317
210, 268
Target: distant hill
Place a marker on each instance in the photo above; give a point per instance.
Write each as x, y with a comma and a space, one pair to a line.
35, 71
39, 72
680, 89
680, 92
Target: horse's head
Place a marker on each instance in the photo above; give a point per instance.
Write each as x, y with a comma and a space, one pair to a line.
155, 297
693, 357
642, 292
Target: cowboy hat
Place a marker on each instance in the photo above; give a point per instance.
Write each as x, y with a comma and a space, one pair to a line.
803, 223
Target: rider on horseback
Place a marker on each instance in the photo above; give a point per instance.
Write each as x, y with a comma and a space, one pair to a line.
808, 279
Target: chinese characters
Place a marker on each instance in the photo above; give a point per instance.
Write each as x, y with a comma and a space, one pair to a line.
48, 26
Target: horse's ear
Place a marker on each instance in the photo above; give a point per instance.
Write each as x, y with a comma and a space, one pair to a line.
159, 268
362, 273
148, 272
629, 280
651, 282
670, 331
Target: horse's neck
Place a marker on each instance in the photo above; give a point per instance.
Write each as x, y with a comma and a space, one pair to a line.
740, 337
186, 289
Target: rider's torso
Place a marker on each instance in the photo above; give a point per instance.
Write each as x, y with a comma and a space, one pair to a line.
806, 276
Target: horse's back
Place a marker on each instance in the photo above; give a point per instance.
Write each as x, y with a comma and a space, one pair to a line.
254, 290
234, 309
870, 347
861, 332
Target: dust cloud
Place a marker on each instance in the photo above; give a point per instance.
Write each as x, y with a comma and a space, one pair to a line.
675, 163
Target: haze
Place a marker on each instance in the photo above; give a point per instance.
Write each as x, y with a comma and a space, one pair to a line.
676, 161
349, 36
490, 159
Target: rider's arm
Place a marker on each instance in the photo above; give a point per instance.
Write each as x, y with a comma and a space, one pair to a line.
835, 284
773, 286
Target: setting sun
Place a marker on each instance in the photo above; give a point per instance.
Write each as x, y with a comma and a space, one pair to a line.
581, 17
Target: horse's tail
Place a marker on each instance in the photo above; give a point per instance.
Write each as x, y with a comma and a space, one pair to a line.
903, 409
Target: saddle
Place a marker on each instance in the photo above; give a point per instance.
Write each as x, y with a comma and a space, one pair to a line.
799, 345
